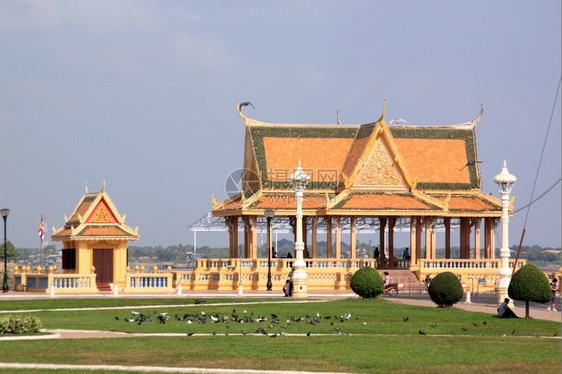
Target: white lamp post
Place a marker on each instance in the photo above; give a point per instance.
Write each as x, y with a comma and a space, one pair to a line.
5, 212
505, 182
299, 180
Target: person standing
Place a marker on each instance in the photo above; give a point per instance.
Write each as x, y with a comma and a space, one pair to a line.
286, 288
377, 253
406, 254
552, 307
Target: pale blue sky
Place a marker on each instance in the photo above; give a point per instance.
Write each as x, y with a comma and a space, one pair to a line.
81, 99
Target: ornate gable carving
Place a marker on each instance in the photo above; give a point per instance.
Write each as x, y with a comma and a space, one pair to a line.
379, 169
102, 214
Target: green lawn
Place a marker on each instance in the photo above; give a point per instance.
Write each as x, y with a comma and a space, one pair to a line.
375, 338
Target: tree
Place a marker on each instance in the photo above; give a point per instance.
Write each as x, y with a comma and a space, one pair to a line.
529, 284
11, 251
445, 289
367, 282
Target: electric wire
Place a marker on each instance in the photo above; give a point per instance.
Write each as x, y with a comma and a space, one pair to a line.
542, 154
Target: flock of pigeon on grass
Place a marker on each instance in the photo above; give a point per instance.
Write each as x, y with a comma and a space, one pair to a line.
268, 322
241, 319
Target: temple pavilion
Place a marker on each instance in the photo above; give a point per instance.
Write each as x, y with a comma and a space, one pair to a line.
387, 177
95, 240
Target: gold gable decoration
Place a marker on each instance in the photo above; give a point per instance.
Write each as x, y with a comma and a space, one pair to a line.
102, 214
379, 170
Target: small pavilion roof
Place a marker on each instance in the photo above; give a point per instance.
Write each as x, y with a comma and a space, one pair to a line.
95, 217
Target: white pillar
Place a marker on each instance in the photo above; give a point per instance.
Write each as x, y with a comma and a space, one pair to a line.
505, 181
299, 179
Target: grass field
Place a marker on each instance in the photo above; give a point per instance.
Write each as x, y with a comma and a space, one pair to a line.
350, 335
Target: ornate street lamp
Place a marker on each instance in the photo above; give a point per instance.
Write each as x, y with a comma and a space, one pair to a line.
5, 212
269, 213
299, 180
505, 182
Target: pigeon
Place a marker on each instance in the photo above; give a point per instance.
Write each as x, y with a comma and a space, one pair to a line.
199, 301
246, 103
475, 324
470, 163
433, 325
421, 332
405, 319
308, 333
464, 329
189, 333
485, 323
116, 318
135, 313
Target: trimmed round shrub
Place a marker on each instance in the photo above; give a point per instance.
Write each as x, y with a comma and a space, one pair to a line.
445, 289
367, 282
530, 284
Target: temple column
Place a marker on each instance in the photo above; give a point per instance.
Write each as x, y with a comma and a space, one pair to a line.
433, 224
250, 237
465, 238
418, 237
293, 224
447, 237
427, 223
477, 223
413, 250
382, 241
495, 223
338, 237
247, 230
488, 238
353, 237
314, 237
328, 236
391, 223
254, 247
232, 225
306, 253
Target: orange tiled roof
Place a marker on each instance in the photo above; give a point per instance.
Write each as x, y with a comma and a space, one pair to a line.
386, 201
288, 201
103, 220
470, 203
102, 231
316, 155
435, 160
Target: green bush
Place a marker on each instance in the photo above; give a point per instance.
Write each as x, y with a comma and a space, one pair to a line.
529, 284
19, 325
367, 282
445, 289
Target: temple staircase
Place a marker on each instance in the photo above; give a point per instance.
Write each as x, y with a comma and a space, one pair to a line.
411, 283
103, 287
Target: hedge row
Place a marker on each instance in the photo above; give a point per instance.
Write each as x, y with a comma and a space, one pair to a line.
19, 325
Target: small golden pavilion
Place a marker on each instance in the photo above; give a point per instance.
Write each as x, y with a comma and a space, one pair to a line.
390, 177
95, 240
